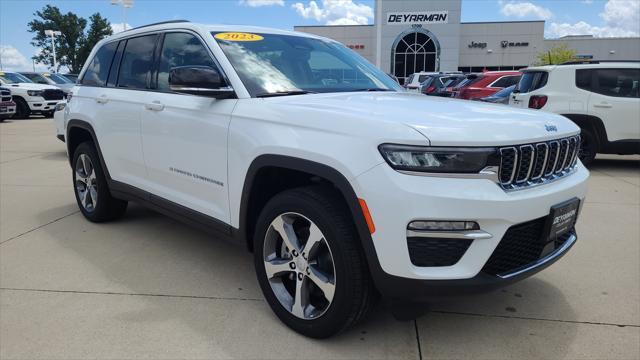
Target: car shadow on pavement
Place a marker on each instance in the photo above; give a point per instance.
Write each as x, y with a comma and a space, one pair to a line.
164, 262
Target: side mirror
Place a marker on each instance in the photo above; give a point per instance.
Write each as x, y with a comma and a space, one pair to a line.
199, 80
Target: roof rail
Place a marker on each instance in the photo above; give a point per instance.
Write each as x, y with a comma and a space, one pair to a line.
578, 62
159, 23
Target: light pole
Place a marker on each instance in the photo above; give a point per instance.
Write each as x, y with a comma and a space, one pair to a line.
125, 5
53, 35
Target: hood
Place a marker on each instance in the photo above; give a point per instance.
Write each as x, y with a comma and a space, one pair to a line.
444, 121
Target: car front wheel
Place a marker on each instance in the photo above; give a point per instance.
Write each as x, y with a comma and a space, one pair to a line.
309, 263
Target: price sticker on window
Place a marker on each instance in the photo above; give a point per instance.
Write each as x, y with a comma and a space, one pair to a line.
238, 36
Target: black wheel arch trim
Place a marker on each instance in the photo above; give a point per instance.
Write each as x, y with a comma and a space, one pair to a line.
593, 123
81, 124
332, 175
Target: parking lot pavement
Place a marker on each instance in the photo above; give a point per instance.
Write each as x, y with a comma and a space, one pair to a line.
150, 287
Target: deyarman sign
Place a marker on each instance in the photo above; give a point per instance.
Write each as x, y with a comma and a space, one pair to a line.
424, 17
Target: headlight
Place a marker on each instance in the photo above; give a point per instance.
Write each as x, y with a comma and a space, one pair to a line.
438, 159
60, 106
34, 92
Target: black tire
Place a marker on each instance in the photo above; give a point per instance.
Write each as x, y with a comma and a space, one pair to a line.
22, 109
106, 207
588, 147
354, 294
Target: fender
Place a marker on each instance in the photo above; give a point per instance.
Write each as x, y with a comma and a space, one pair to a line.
81, 124
332, 175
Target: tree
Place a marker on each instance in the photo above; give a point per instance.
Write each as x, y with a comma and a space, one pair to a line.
72, 45
556, 55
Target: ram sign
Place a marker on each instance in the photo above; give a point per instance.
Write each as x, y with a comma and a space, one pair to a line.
422, 17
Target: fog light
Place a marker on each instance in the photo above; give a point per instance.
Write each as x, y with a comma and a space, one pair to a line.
431, 225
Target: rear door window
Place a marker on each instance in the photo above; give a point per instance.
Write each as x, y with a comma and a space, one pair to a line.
532, 80
98, 69
137, 61
506, 81
617, 82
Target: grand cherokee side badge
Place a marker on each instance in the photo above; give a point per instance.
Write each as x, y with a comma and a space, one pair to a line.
551, 128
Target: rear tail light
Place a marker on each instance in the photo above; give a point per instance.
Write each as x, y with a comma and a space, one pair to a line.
429, 90
537, 101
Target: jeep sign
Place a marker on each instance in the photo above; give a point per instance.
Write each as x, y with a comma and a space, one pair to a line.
424, 17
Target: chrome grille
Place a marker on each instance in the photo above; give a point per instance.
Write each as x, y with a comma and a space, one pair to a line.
534, 164
5, 95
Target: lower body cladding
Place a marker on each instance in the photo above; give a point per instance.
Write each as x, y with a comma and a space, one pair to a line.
514, 238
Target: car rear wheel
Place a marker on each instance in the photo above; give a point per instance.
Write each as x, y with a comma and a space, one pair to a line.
309, 263
588, 147
92, 193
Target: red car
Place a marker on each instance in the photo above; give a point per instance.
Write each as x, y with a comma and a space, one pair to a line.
484, 84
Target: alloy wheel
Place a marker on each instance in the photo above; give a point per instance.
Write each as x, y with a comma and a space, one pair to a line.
299, 266
86, 183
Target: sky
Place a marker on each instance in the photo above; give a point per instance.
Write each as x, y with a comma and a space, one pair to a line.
601, 18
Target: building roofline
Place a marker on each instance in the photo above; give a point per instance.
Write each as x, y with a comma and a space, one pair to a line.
502, 22
328, 26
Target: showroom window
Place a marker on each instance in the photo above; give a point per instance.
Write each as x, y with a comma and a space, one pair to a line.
415, 51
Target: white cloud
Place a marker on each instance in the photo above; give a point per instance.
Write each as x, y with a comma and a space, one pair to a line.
118, 27
258, 3
336, 12
522, 9
588, 2
621, 18
13, 60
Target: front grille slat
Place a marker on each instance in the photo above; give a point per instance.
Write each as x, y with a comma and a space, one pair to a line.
532, 164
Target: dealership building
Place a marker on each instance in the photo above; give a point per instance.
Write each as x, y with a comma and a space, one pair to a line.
409, 36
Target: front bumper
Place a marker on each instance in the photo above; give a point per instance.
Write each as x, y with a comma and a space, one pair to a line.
7, 109
395, 199
43, 105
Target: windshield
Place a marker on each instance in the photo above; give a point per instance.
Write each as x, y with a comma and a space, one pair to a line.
58, 79
12, 78
272, 64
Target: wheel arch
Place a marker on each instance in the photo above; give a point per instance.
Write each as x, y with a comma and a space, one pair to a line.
250, 204
79, 131
593, 124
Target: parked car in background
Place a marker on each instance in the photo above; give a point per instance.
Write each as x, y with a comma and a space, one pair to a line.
435, 84
414, 80
30, 98
342, 190
500, 97
50, 79
72, 77
59, 120
601, 97
7, 106
479, 85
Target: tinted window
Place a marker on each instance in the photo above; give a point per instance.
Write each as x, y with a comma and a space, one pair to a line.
422, 78
583, 78
181, 49
506, 81
98, 69
532, 80
136, 62
618, 82
36, 78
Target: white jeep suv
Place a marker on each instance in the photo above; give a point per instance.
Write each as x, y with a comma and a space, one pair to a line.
603, 98
297, 148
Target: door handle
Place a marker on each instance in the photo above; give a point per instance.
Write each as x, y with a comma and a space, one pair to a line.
154, 105
102, 99
603, 105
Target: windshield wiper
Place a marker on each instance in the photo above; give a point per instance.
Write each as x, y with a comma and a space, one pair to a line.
371, 89
285, 93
